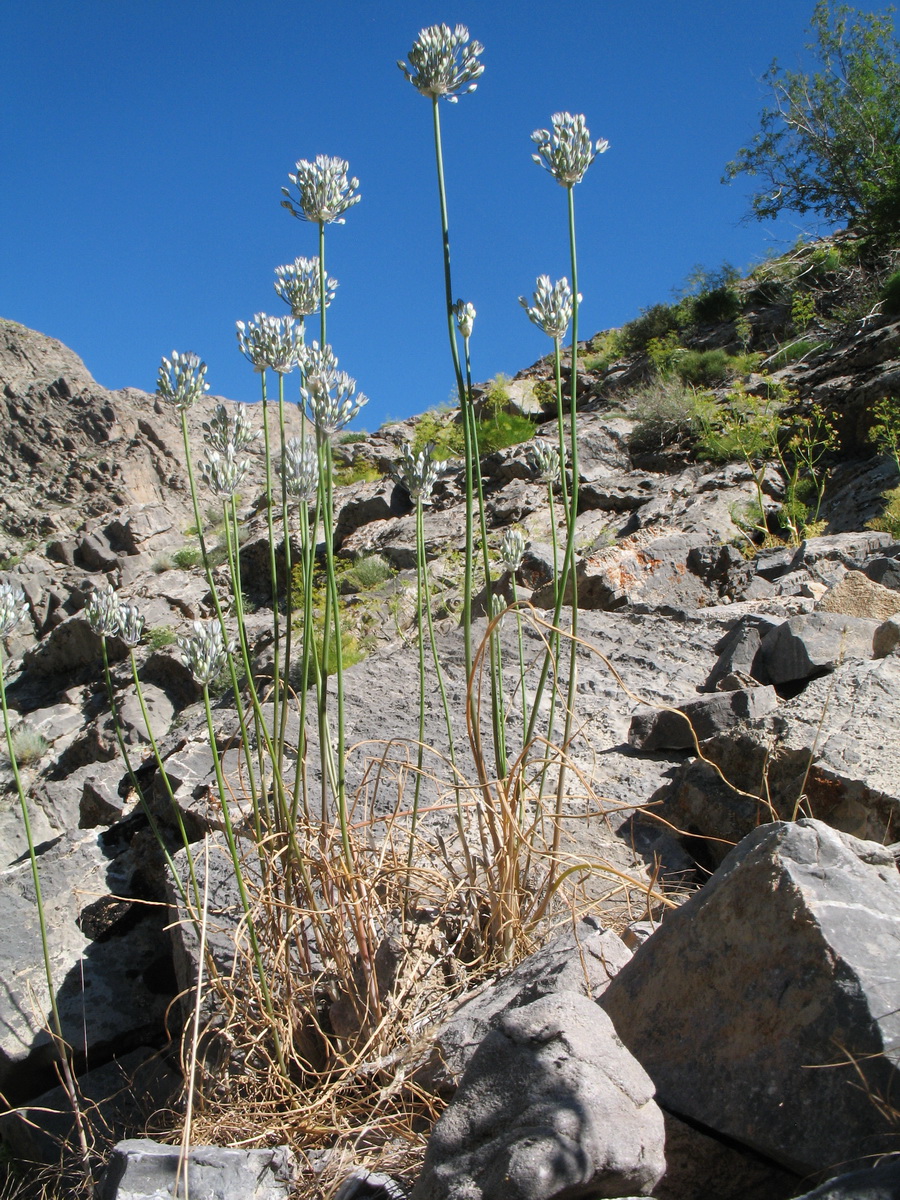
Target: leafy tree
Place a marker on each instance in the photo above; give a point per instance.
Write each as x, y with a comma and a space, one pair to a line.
829, 143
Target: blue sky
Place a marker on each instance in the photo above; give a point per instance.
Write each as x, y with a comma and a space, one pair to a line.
144, 146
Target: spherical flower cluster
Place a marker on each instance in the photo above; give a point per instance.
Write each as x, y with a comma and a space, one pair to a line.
568, 151
102, 611
298, 286
270, 342
551, 306
130, 625
323, 190
229, 429
418, 473
182, 380
333, 400
442, 62
224, 473
543, 458
301, 468
465, 317
13, 606
512, 549
316, 363
205, 651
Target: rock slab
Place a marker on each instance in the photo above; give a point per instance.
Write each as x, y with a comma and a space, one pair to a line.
761, 1006
551, 1105
140, 1169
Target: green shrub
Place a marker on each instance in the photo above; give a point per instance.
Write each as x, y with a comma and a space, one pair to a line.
604, 349
889, 521
667, 412
353, 437
358, 472
160, 637
440, 428
793, 352
186, 557
703, 368
890, 295
28, 745
365, 573
720, 304
653, 323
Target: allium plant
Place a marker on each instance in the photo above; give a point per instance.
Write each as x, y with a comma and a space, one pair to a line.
298, 286
102, 610
551, 306
230, 427
443, 63
418, 473
324, 190
332, 400
224, 473
182, 380
269, 342
300, 469
567, 151
465, 314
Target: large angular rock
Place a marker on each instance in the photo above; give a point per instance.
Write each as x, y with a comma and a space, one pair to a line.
811, 645
551, 1105
858, 596
767, 1007
677, 728
105, 972
582, 960
881, 1182
140, 1169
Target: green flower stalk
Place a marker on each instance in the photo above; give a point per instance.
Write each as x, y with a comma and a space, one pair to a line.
206, 654
566, 152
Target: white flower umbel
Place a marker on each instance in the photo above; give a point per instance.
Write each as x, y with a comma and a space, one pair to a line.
298, 286
443, 62
229, 428
318, 364
269, 342
332, 400
568, 151
205, 651
102, 611
182, 380
13, 606
418, 473
130, 625
301, 468
224, 473
465, 317
512, 549
551, 306
543, 458
323, 190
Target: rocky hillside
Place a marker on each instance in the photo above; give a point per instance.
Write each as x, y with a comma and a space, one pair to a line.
734, 762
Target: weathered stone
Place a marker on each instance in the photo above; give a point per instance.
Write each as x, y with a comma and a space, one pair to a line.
857, 596
139, 1169
880, 1182
580, 960
739, 650
704, 1168
811, 645
677, 728
115, 1099
768, 1006
105, 994
551, 1105
886, 639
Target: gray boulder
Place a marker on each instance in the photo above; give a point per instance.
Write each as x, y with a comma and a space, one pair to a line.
881, 1182
767, 1007
551, 1105
676, 728
813, 644
140, 1169
581, 960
